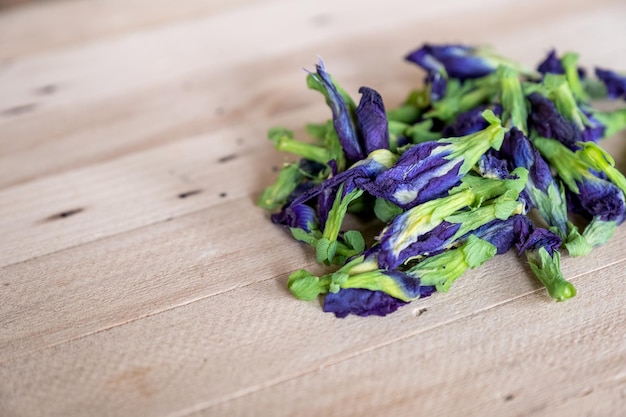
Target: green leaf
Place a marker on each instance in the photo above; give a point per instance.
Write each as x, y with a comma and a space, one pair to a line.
505, 209
443, 269
321, 250
304, 236
305, 286
386, 210
355, 239
477, 251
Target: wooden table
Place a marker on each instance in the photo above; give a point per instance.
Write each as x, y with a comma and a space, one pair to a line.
139, 279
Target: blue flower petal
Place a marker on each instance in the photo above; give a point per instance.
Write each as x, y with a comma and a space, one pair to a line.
443, 61
500, 233
418, 176
491, 165
597, 198
299, 216
551, 64
549, 123
615, 83
361, 302
342, 119
469, 122
518, 150
372, 120
429, 243
540, 238
459, 61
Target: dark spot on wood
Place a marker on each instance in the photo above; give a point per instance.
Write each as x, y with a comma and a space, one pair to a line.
19, 110
46, 90
509, 397
275, 168
189, 193
222, 195
6, 284
240, 141
169, 219
227, 158
65, 214
421, 311
219, 111
321, 20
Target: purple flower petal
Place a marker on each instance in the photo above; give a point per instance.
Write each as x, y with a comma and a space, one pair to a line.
491, 166
615, 83
597, 198
372, 120
469, 122
430, 243
540, 238
427, 290
459, 61
551, 64
361, 302
500, 233
417, 177
300, 216
442, 61
549, 123
342, 119
518, 150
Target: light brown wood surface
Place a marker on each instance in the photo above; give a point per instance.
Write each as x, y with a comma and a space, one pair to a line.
139, 279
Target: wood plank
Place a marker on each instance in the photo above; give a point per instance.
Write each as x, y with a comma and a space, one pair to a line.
140, 273
95, 116
43, 26
256, 348
518, 358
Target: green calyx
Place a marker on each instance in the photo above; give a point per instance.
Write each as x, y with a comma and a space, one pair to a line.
276, 194
565, 162
570, 65
551, 205
284, 141
514, 108
463, 97
561, 94
443, 269
548, 270
470, 148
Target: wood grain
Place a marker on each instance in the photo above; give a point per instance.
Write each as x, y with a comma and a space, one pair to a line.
138, 278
